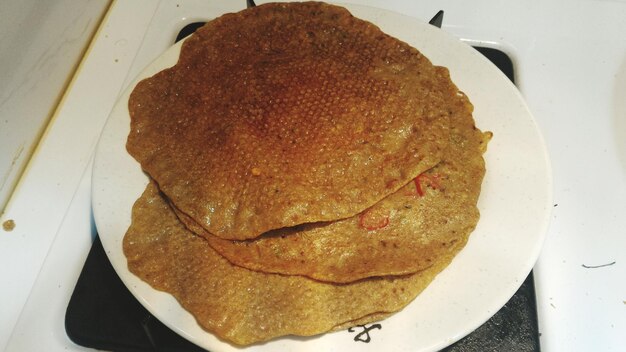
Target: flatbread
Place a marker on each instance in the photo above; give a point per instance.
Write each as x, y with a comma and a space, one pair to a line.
243, 306
402, 234
285, 114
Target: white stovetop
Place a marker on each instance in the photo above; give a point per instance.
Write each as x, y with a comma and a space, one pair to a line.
570, 61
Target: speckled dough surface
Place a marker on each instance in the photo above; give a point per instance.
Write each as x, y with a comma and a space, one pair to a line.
243, 306
286, 114
402, 234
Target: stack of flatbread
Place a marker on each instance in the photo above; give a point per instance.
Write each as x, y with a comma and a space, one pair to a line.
308, 173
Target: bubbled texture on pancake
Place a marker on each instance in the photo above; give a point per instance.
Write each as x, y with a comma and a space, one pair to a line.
243, 306
286, 114
402, 234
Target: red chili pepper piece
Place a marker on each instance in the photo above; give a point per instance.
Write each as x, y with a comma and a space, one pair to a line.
370, 221
431, 179
418, 187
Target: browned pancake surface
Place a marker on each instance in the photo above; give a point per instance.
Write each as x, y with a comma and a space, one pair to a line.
243, 306
287, 114
402, 234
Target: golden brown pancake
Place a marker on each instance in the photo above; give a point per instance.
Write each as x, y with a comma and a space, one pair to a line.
286, 114
402, 234
243, 306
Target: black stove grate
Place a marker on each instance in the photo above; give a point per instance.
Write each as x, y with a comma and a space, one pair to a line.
104, 315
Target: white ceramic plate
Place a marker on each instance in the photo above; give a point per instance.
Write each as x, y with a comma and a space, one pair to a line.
515, 206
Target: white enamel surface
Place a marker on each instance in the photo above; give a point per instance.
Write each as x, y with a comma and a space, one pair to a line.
43, 201
515, 206
40, 45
